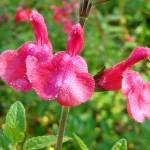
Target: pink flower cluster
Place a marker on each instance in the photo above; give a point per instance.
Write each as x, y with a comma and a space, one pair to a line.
63, 75
62, 15
120, 76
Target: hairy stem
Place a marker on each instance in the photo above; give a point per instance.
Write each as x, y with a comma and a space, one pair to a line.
63, 118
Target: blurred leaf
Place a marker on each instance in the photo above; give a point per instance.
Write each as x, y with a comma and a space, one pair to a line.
42, 142
120, 145
80, 142
15, 124
4, 142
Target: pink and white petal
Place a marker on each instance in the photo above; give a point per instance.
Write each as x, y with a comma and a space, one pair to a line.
43, 77
43, 52
76, 89
133, 107
80, 64
132, 87
146, 99
12, 71
75, 40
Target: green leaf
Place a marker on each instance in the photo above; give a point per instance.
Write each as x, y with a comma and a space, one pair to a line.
120, 145
80, 142
4, 141
15, 124
42, 142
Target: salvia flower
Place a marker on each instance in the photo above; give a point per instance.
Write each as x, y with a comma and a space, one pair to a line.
13, 63
137, 92
65, 77
133, 86
111, 78
22, 14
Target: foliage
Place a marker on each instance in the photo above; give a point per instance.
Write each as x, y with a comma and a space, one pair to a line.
103, 120
80, 142
14, 130
120, 145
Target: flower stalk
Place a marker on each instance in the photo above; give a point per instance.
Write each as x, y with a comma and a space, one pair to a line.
100, 1
62, 123
85, 7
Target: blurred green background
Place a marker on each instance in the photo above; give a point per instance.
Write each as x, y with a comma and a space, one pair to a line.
111, 32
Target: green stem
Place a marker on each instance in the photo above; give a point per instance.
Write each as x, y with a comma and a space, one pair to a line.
61, 130
82, 21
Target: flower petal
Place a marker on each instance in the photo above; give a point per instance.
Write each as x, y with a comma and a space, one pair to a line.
146, 98
137, 55
12, 71
137, 93
60, 58
80, 64
13, 66
76, 89
76, 85
39, 27
62, 77
43, 76
75, 40
42, 52
110, 79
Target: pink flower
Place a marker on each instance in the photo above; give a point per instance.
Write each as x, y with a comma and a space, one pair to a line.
22, 14
66, 76
111, 78
12, 63
62, 15
137, 93
134, 88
